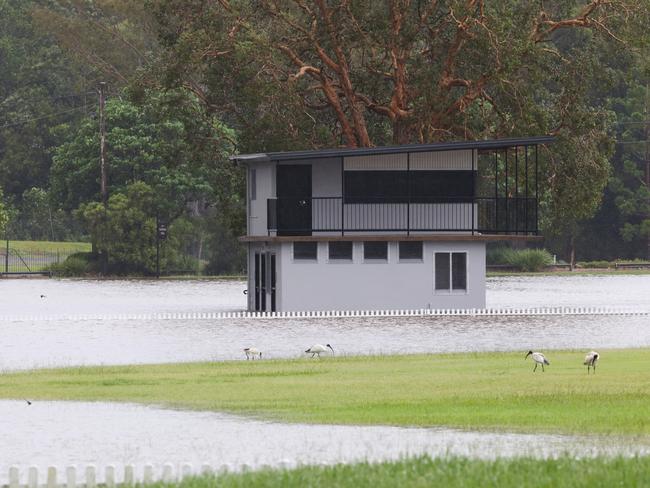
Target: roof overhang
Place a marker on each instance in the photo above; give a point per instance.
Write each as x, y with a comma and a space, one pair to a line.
409, 148
393, 237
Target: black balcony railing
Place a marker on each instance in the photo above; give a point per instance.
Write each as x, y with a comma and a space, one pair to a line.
300, 216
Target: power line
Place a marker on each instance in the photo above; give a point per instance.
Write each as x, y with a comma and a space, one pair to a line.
15, 124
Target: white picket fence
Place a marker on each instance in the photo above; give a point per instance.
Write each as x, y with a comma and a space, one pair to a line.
424, 312
70, 477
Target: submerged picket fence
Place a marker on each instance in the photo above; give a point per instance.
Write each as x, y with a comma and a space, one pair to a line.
471, 312
71, 478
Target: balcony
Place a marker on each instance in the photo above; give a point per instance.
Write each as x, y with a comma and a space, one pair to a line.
473, 215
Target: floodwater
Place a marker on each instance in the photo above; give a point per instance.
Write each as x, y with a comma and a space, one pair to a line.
70, 433
55, 343
77, 433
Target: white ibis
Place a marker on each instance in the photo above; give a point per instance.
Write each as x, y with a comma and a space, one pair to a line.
252, 352
539, 358
590, 360
316, 349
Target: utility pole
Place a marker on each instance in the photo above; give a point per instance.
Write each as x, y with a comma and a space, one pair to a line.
102, 143
102, 163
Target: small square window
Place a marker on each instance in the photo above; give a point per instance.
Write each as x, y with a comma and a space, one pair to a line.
340, 250
307, 251
410, 250
375, 250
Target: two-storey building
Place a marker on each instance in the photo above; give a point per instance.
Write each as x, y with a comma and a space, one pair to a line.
401, 227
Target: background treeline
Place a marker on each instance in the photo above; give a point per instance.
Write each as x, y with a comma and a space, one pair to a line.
192, 81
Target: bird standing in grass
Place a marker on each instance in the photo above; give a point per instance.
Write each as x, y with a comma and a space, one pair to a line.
590, 360
539, 358
252, 352
316, 349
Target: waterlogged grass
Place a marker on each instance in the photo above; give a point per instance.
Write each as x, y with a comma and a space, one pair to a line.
476, 391
454, 472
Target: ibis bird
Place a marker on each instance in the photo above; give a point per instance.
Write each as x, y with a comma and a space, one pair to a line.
539, 358
252, 352
590, 360
316, 349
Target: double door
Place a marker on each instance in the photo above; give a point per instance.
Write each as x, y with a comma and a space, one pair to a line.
265, 276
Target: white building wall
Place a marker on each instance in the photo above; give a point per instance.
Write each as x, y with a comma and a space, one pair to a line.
264, 189
359, 285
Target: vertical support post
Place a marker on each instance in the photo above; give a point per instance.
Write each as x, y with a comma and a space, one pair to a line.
506, 195
342, 197
147, 475
496, 191
526, 200
516, 189
536, 194
408, 193
7, 256
473, 191
129, 475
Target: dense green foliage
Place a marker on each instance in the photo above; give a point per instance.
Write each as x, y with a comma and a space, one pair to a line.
479, 391
190, 82
451, 472
522, 259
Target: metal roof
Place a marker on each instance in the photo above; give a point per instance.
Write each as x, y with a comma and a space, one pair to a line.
410, 148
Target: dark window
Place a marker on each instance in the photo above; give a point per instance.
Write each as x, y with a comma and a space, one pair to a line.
375, 250
442, 271
451, 271
454, 186
305, 250
410, 250
459, 271
341, 250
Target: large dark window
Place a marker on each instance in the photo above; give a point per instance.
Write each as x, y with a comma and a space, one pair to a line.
340, 250
414, 186
410, 250
451, 271
305, 250
375, 250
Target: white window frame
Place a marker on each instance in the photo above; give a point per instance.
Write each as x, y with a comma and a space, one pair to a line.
451, 291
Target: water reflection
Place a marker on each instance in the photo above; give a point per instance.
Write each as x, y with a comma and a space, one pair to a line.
81, 433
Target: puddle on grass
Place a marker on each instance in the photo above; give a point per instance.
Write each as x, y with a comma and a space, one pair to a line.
82, 433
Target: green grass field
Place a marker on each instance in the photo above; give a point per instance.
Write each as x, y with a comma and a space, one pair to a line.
50, 246
475, 391
450, 473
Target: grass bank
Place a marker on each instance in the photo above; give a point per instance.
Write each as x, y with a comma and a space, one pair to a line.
50, 246
477, 391
454, 472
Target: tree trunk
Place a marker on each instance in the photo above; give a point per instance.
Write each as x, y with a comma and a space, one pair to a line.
572, 255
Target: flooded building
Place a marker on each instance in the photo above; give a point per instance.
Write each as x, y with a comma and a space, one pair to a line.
401, 227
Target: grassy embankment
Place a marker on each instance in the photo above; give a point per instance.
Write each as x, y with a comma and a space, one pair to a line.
454, 472
477, 391
50, 246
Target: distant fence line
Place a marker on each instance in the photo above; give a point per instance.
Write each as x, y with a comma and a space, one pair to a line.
471, 312
29, 261
91, 478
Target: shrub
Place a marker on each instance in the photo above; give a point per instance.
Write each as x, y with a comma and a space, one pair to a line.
77, 264
595, 264
499, 255
530, 259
